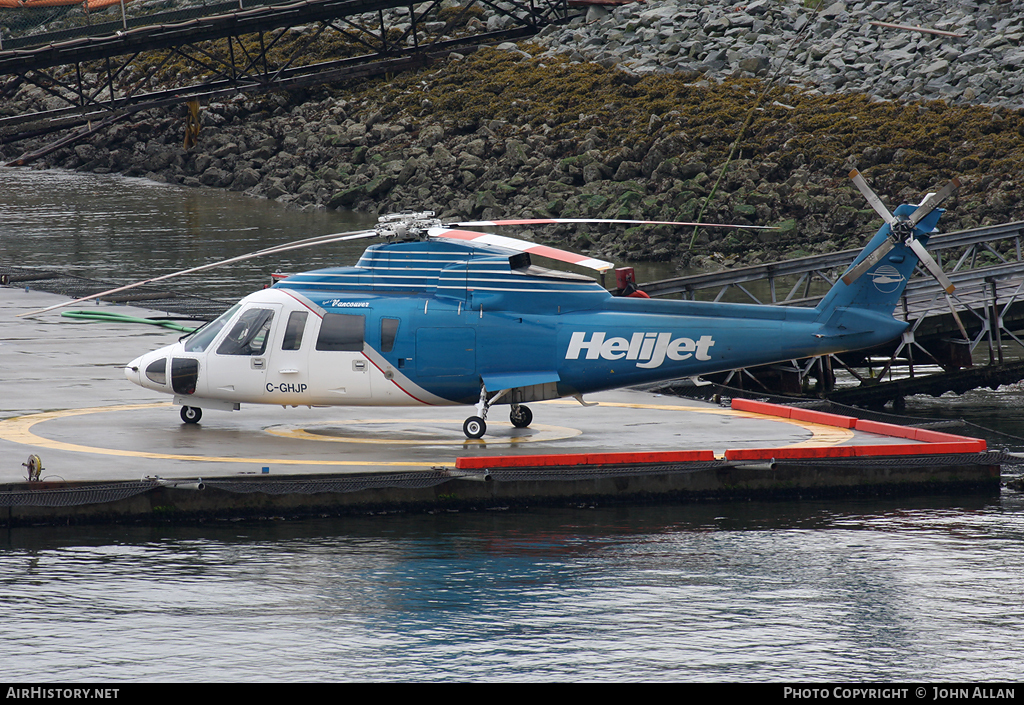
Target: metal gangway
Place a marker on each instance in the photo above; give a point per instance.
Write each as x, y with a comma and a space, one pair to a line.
986, 267
106, 68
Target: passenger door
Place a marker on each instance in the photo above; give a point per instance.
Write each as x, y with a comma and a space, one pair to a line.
339, 372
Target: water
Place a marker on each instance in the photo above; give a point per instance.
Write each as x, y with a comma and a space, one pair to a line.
127, 229
917, 590
923, 589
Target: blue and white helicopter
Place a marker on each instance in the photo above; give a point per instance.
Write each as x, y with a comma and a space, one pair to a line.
438, 315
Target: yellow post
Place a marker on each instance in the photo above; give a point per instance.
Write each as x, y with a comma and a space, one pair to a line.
192, 124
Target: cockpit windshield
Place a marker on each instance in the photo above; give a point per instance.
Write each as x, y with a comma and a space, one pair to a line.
248, 335
202, 338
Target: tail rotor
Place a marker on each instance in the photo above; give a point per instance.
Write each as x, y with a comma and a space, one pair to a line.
903, 227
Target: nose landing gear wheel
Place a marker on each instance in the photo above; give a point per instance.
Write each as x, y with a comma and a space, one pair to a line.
191, 414
520, 416
474, 427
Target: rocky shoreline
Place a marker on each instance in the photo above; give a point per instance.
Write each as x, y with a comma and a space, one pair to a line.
967, 52
632, 114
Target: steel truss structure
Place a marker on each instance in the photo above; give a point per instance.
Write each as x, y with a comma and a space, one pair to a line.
89, 74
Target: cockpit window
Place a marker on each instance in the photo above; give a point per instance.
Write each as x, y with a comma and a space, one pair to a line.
248, 335
293, 331
157, 371
201, 339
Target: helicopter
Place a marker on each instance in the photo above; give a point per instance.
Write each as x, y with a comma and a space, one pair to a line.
441, 315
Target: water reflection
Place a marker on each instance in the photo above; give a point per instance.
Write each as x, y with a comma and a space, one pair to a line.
872, 589
124, 229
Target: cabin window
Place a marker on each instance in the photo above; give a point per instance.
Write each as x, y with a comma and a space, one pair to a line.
341, 332
293, 331
388, 333
248, 335
157, 371
202, 338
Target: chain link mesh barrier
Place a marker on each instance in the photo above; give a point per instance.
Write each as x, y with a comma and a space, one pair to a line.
75, 496
409, 480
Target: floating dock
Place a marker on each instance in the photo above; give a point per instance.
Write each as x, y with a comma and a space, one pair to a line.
113, 452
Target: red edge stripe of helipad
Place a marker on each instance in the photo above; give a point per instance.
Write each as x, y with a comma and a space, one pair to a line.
933, 441
534, 461
930, 443
968, 446
791, 453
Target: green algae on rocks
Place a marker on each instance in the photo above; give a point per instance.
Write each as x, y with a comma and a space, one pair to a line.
504, 132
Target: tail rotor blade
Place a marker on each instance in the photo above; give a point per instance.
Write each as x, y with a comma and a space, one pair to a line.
872, 198
900, 228
933, 201
929, 263
956, 317
868, 262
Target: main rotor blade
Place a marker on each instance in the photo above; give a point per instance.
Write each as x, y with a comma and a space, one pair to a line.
299, 244
933, 201
515, 245
873, 200
549, 221
929, 263
868, 262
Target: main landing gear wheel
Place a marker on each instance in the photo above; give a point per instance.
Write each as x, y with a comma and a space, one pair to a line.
475, 427
191, 414
520, 416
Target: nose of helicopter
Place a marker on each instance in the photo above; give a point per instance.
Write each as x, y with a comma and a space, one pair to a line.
133, 371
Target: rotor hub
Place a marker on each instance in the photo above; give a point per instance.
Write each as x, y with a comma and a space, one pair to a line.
902, 228
406, 226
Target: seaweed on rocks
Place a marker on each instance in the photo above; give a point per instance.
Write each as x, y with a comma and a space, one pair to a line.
523, 130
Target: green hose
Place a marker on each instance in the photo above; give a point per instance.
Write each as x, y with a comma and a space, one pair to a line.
124, 318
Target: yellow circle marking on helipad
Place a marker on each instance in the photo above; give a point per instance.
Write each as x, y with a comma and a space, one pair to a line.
821, 435
537, 432
19, 430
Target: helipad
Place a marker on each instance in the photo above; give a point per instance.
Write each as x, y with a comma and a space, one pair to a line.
67, 401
